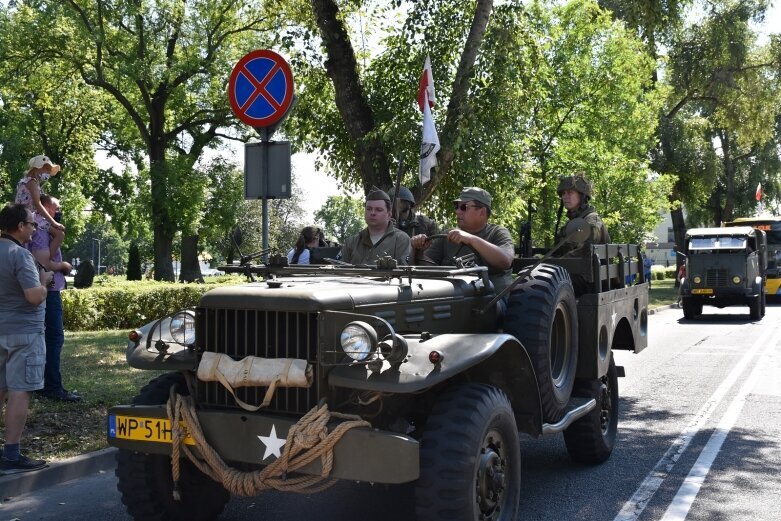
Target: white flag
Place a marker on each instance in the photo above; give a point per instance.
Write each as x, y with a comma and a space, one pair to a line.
429, 145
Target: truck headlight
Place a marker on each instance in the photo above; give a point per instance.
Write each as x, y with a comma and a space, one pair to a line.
358, 340
736, 279
697, 279
182, 328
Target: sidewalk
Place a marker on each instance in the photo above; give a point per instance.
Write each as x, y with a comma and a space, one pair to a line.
56, 473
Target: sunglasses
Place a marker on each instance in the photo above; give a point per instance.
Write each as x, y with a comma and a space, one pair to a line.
35, 224
464, 206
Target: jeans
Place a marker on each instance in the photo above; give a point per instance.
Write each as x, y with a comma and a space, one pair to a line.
55, 338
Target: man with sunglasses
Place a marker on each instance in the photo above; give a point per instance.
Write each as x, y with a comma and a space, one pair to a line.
380, 238
492, 245
23, 290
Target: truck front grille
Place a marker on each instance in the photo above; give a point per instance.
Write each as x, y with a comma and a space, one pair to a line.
716, 278
266, 334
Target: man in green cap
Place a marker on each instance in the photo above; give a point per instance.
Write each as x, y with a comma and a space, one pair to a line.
491, 244
575, 192
380, 238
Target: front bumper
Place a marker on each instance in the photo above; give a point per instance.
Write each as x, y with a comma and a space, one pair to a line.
361, 455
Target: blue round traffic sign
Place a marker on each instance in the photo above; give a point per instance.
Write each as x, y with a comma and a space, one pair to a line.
260, 89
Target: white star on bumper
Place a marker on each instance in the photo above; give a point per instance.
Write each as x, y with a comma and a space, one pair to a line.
272, 443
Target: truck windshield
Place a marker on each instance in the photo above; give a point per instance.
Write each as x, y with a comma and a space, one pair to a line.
716, 243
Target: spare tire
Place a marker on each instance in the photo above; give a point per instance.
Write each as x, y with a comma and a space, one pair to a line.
542, 314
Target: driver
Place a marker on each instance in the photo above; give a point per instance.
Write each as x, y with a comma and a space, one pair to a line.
491, 244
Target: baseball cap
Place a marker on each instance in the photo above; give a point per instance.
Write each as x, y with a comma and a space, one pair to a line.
472, 193
41, 161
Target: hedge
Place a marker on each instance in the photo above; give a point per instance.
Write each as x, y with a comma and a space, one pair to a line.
113, 303
661, 272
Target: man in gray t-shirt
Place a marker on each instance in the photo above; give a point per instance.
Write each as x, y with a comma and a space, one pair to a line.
492, 244
23, 290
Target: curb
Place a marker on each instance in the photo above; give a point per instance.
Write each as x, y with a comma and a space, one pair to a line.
58, 472
663, 308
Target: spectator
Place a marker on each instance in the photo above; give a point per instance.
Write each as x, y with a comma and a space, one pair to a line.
28, 193
380, 238
55, 331
647, 263
309, 238
22, 347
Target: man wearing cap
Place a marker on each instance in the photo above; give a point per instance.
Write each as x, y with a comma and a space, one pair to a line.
380, 238
491, 244
410, 222
23, 290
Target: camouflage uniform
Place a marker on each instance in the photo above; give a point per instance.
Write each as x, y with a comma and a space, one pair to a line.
599, 233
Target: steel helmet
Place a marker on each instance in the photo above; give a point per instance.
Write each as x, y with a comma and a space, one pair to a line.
404, 194
577, 182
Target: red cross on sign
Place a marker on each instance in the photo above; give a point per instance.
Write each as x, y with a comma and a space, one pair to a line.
260, 89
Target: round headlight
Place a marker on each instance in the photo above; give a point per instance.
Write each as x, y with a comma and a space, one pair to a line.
182, 328
697, 280
736, 279
358, 340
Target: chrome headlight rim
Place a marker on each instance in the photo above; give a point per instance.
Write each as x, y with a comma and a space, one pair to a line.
181, 327
358, 341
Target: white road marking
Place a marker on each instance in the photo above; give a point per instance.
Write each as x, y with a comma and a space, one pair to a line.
634, 507
687, 493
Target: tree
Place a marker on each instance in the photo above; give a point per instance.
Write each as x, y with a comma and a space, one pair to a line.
133, 263
342, 217
165, 64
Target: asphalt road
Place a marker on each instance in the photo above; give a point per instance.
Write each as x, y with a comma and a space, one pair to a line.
699, 439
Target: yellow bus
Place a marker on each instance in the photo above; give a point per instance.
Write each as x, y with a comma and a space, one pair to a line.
772, 227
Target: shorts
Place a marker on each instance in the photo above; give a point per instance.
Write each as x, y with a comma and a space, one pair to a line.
22, 360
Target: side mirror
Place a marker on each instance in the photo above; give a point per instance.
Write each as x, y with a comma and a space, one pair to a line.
577, 231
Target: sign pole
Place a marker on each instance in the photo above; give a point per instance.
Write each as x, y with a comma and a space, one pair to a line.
264, 138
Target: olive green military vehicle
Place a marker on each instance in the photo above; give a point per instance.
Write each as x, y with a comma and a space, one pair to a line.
724, 267
434, 374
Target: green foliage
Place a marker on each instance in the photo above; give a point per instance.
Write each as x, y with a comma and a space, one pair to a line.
341, 216
113, 303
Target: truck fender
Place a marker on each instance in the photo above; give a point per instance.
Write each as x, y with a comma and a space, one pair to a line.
142, 353
495, 359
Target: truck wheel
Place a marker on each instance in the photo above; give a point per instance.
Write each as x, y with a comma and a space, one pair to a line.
470, 458
755, 307
591, 438
542, 314
764, 301
692, 308
145, 479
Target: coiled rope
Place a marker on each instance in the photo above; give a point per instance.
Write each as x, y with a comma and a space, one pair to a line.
306, 441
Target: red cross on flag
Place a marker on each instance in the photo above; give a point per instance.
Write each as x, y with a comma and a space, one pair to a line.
759, 192
429, 145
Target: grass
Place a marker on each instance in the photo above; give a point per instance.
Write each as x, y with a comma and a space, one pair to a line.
94, 365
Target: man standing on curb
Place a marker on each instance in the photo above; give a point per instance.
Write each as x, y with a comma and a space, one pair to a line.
22, 348
55, 331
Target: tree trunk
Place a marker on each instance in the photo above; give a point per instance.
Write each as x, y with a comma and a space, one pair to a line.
191, 268
679, 229
163, 228
357, 115
729, 178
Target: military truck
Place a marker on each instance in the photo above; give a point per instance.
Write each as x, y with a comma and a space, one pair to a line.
417, 374
724, 267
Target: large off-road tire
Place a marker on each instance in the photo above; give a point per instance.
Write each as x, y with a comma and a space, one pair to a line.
692, 307
764, 301
542, 314
755, 307
470, 458
145, 479
591, 438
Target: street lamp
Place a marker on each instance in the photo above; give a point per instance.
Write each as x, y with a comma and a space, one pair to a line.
93, 254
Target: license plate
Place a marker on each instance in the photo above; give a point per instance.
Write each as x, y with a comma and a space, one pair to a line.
144, 429
704, 291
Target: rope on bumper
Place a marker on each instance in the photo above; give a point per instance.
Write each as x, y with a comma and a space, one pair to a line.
306, 441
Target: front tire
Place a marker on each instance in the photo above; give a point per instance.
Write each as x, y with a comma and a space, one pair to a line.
145, 480
692, 307
542, 314
591, 439
755, 307
470, 458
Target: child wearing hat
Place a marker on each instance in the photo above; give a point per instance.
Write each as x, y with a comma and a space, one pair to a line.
28, 193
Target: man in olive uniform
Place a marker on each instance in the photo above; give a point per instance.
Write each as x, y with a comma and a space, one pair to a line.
410, 222
492, 244
575, 192
380, 238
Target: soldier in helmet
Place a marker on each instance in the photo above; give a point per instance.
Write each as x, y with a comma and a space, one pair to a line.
575, 192
410, 222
